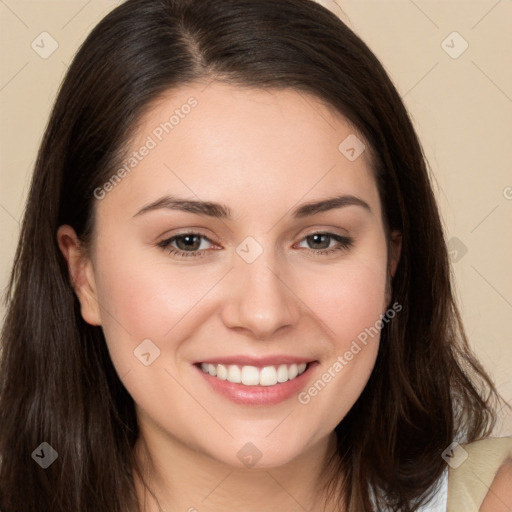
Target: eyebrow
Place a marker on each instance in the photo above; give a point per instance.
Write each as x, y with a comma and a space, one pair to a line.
221, 211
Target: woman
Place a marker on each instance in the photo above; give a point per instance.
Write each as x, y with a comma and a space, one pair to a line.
232, 288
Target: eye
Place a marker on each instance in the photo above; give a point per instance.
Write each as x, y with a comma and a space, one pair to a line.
188, 244
321, 243
191, 244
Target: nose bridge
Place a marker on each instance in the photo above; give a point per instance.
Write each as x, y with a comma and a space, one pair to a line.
259, 299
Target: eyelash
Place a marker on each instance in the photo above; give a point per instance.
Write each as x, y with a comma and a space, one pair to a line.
345, 243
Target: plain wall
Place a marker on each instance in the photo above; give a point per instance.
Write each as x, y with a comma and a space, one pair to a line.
460, 102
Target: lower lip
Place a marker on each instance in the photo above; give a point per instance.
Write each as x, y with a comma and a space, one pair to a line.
258, 395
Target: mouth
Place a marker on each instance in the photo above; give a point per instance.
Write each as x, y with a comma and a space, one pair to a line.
248, 375
259, 383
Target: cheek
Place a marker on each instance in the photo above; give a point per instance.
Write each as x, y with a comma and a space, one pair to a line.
348, 297
143, 300
350, 308
354, 304
135, 284
144, 296
344, 372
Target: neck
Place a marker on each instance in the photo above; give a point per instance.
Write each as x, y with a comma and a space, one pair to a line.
181, 479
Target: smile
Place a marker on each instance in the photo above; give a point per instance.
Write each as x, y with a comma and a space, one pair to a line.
254, 376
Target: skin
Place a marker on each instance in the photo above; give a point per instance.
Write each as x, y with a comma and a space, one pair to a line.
499, 496
262, 154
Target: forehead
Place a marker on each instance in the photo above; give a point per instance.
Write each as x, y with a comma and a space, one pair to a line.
246, 147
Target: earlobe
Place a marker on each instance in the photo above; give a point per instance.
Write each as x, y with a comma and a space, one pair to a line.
81, 274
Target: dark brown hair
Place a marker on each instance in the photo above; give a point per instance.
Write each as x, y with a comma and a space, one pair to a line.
58, 384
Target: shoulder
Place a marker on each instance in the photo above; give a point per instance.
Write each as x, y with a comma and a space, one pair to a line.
499, 497
481, 476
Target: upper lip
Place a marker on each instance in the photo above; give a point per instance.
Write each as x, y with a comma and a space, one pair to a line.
244, 360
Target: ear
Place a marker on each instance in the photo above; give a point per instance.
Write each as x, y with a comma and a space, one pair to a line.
395, 250
81, 274
394, 253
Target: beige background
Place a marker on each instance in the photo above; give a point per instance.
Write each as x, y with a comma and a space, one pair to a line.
461, 104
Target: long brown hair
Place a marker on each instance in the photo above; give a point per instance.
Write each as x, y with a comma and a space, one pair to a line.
58, 384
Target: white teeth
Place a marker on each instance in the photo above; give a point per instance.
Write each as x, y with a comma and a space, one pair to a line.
250, 375
253, 376
282, 373
234, 374
222, 372
268, 376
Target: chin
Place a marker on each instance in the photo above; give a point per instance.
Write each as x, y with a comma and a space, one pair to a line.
260, 453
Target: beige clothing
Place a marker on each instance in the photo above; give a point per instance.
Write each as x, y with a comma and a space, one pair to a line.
469, 483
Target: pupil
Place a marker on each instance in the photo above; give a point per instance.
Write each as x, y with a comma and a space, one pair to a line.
190, 242
317, 239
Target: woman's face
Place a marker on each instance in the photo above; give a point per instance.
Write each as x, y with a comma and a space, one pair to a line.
264, 279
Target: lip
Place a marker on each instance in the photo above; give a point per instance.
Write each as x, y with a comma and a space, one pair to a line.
257, 395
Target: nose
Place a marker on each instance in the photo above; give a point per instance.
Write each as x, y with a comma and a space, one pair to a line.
260, 299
